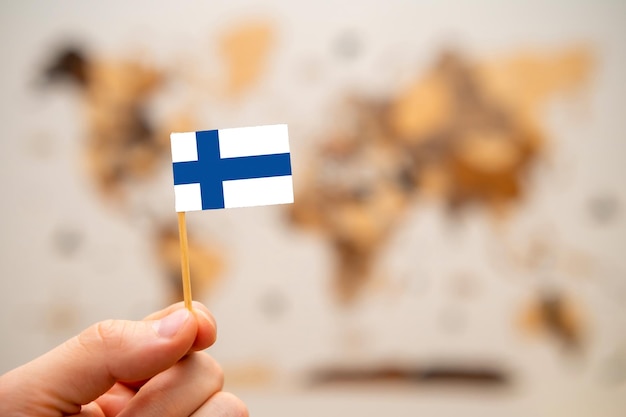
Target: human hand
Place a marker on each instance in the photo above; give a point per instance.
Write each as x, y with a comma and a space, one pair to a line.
126, 368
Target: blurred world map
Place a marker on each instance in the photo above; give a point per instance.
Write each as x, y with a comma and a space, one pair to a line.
458, 218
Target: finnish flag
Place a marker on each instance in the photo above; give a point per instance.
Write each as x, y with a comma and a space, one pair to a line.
240, 167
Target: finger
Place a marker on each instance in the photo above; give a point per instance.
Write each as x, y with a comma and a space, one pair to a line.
91, 410
180, 390
207, 328
222, 404
114, 400
83, 368
205, 336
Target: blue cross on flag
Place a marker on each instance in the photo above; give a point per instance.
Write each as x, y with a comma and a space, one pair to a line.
240, 167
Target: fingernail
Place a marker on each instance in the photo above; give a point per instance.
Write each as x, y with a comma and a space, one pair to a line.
170, 325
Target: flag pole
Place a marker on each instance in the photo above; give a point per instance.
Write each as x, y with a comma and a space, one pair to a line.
184, 258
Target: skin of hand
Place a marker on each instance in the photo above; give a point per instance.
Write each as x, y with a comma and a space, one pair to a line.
121, 368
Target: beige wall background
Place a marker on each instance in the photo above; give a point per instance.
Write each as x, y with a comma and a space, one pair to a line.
457, 292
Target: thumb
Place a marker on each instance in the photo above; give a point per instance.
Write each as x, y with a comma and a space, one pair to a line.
86, 366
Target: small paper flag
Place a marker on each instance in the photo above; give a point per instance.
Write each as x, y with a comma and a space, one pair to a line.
226, 168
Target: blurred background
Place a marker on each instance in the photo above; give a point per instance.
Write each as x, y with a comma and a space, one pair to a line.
456, 243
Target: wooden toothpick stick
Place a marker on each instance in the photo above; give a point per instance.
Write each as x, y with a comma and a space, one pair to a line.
184, 258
